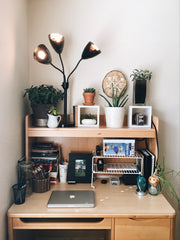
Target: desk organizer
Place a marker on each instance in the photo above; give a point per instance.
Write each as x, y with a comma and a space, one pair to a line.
40, 186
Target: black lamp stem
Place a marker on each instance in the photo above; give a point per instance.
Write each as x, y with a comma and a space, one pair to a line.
62, 63
56, 68
74, 69
65, 84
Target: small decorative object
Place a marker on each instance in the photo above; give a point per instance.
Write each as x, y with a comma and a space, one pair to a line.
140, 79
141, 184
139, 116
42, 98
41, 180
90, 118
53, 118
89, 94
79, 168
115, 79
115, 112
42, 55
153, 187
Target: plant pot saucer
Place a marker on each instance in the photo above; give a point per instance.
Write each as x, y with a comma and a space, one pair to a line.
86, 104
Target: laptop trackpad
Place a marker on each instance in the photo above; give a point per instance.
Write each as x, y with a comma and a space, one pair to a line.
76, 198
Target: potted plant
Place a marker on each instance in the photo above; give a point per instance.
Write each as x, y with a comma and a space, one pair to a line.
140, 79
89, 94
42, 98
115, 111
54, 117
88, 119
160, 181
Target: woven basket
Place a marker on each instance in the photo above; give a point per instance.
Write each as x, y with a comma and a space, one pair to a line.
40, 186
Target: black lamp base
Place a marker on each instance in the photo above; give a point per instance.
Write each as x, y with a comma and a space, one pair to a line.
63, 125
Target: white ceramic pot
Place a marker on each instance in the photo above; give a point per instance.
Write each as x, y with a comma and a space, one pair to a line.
53, 121
114, 117
89, 121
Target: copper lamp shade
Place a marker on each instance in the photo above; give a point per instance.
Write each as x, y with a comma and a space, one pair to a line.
90, 51
57, 42
42, 54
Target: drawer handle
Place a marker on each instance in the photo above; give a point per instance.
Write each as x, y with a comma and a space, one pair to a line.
63, 220
141, 219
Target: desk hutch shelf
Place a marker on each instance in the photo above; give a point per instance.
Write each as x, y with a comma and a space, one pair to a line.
76, 139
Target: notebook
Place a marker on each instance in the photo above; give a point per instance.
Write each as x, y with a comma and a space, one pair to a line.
77, 198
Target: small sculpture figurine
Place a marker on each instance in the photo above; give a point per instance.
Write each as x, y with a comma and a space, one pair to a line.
141, 184
153, 185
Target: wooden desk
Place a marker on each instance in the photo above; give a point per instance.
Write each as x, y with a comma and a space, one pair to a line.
119, 213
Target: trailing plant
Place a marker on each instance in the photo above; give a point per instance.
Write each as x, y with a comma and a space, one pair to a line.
165, 182
141, 75
116, 100
53, 111
91, 90
43, 94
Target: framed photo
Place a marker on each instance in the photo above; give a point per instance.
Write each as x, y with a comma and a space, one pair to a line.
79, 168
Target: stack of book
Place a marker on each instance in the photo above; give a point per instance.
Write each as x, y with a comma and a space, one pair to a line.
46, 155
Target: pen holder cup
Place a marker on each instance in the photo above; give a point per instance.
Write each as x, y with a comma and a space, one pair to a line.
40, 186
19, 193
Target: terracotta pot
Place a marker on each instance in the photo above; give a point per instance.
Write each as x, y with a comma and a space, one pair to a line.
88, 98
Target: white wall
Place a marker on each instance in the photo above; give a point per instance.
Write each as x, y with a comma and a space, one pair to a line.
14, 76
131, 34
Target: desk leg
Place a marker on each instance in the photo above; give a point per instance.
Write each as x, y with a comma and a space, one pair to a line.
10, 228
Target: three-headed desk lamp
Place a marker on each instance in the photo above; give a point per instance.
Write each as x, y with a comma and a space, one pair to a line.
42, 55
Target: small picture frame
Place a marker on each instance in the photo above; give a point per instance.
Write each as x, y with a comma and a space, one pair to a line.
79, 168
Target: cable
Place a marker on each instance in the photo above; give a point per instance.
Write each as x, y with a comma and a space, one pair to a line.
157, 143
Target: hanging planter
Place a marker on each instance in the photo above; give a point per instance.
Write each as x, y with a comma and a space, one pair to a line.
140, 83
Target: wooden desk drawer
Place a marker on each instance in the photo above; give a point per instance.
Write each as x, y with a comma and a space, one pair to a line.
142, 229
61, 223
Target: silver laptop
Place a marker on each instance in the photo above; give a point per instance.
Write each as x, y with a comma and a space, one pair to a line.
77, 198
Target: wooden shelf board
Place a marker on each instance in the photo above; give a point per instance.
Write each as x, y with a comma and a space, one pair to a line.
101, 132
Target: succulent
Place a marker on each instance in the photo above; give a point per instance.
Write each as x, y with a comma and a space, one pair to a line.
53, 111
87, 116
141, 75
89, 90
116, 100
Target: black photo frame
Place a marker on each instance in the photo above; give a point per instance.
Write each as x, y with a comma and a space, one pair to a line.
79, 168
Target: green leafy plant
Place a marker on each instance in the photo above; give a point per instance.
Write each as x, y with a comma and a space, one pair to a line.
53, 111
165, 181
116, 100
90, 90
43, 94
87, 116
141, 75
